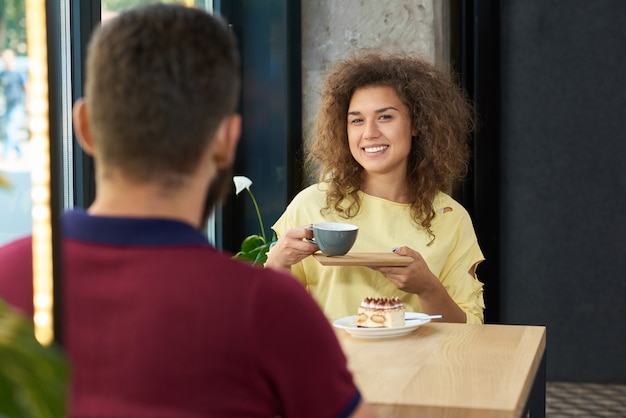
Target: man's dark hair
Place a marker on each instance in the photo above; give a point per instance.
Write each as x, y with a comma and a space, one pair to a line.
160, 79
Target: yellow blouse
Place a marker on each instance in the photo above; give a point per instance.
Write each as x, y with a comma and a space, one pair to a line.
384, 225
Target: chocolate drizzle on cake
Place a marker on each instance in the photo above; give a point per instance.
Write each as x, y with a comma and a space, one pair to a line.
382, 303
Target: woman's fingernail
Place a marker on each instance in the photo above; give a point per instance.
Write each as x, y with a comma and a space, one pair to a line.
395, 249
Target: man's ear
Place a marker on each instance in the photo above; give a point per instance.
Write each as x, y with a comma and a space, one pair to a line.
81, 126
224, 144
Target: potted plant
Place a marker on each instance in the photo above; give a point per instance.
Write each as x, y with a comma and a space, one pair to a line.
33, 378
254, 247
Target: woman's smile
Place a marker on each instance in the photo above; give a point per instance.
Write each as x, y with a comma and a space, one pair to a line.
375, 149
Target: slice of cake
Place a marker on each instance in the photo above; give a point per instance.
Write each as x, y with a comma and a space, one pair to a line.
381, 313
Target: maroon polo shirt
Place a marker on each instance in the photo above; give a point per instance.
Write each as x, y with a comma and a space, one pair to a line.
158, 323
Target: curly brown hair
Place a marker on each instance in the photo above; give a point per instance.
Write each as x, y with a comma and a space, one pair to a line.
438, 109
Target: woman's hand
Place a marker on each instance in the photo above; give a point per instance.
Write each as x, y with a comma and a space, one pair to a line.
418, 279
291, 248
414, 278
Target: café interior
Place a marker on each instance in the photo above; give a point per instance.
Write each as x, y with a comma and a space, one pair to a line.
547, 149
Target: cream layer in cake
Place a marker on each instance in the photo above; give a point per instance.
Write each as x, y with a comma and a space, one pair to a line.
381, 313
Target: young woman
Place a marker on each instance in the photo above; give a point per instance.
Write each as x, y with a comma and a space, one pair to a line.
389, 142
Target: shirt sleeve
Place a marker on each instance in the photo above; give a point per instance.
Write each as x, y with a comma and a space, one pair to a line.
16, 275
282, 225
465, 289
300, 352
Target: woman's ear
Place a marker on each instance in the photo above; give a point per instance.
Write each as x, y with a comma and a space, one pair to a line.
226, 139
81, 126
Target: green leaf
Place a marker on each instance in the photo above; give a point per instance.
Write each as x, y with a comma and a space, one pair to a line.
251, 242
33, 378
254, 250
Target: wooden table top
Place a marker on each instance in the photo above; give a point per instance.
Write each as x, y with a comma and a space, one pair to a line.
451, 370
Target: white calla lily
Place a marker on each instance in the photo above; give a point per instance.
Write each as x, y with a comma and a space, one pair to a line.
258, 254
241, 183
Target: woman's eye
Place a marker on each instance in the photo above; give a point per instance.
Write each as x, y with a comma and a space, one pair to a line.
385, 117
356, 120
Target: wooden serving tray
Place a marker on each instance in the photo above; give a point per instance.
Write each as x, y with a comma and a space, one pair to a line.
364, 259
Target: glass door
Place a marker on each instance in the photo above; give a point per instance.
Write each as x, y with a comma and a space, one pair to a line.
15, 152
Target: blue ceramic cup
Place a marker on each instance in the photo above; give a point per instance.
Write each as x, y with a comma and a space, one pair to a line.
334, 238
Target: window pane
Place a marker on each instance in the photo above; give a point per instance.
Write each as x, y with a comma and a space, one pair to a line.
112, 7
15, 201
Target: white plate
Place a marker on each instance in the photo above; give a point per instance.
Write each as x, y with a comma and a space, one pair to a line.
413, 320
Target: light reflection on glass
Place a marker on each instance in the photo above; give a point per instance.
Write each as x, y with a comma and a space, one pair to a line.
40, 171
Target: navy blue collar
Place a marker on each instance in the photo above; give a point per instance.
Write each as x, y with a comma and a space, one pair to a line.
78, 224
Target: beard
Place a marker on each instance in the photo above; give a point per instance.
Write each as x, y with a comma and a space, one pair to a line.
219, 188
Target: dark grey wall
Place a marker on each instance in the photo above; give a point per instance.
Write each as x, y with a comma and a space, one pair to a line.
269, 151
564, 181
